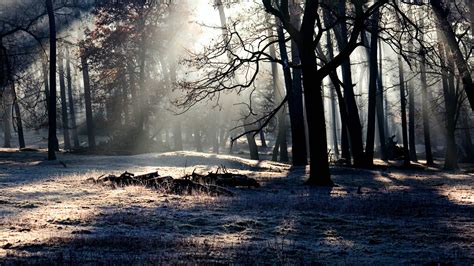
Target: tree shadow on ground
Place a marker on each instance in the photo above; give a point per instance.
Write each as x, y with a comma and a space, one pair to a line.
387, 220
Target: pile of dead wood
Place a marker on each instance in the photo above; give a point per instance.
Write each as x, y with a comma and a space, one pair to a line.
214, 183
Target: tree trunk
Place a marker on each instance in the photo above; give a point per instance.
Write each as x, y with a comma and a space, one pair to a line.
319, 165
295, 93
88, 101
295, 107
253, 149
262, 139
7, 78
426, 112
345, 152
369, 149
7, 117
451, 103
467, 139
353, 121
411, 122
333, 99
52, 82
197, 139
406, 153
334, 122
19, 123
449, 38
64, 114
281, 143
72, 110
379, 103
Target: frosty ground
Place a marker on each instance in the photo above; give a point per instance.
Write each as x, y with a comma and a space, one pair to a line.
48, 213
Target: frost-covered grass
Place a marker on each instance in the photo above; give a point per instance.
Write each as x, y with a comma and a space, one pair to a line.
49, 214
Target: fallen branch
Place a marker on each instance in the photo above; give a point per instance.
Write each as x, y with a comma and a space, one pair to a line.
213, 183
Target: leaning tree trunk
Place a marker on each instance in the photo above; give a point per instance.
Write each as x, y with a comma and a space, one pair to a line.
441, 15
72, 110
52, 82
345, 152
353, 121
64, 114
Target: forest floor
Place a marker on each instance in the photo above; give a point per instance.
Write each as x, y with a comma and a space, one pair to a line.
48, 213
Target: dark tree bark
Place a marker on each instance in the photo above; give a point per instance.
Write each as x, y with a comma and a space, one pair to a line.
334, 122
52, 82
467, 139
406, 153
62, 90
88, 101
353, 121
441, 15
46, 81
319, 165
425, 111
263, 141
345, 152
451, 103
379, 104
7, 117
295, 93
411, 122
253, 148
369, 149
47, 94
72, 110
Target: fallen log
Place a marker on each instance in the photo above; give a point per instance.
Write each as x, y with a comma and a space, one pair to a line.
212, 184
223, 178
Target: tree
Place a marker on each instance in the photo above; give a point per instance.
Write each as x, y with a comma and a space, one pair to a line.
72, 110
369, 150
441, 14
401, 76
52, 81
64, 114
353, 119
312, 81
88, 101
